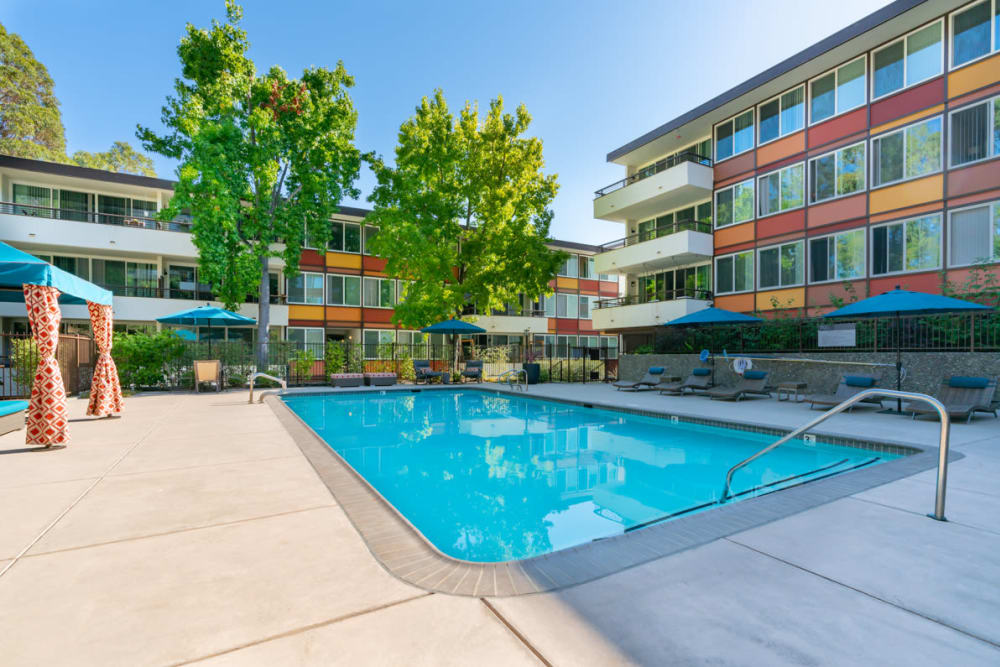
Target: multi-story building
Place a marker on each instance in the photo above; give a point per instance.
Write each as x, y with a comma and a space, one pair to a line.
866, 161
101, 226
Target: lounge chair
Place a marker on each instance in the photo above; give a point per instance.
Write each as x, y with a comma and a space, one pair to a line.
699, 380
12, 416
380, 379
962, 396
346, 379
208, 371
648, 381
752, 383
849, 386
473, 370
422, 371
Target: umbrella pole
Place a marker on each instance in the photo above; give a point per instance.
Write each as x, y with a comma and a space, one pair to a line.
899, 365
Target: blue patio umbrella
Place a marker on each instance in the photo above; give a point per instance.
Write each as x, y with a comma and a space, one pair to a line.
713, 317
186, 334
899, 302
208, 315
18, 268
454, 327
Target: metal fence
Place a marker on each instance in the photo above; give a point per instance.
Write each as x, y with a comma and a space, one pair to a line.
76, 355
928, 333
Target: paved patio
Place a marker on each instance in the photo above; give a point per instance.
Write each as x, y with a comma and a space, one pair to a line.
194, 529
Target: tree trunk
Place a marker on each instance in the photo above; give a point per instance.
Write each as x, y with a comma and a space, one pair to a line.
263, 315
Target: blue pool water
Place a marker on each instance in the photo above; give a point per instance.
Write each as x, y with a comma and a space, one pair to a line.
493, 478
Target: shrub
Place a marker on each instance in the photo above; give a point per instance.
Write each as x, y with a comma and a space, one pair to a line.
335, 358
24, 360
141, 358
405, 372
644, 349
302, 363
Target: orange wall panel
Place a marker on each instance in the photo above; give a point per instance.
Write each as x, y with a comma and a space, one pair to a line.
727, 236
838, 210
911, 193
783, 223
906, 120
377, 316
567, 283
918, 282
589, 286
838, 128
609, 288
298, 312
373, 264
906, 212
793, 297
734, 166
819, 295
740, 303
343, 260
986, 195
343, 314
969, 78
984, 176
781, 149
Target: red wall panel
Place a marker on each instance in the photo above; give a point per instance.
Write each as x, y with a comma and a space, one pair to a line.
838, 127
783, 223
909, 101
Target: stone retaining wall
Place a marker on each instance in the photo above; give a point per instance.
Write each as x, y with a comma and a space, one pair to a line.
924, 370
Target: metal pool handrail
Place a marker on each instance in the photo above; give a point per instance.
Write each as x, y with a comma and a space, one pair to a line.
254, 376
942, 476
514, 375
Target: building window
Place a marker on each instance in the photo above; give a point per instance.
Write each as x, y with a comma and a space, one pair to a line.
734, 273
345, 237
370, 234
734, 136
973, 34
975, 235
566, 305
782, 115
585, 302
837, 257
545, 305
379, 293
690, 218
373, 338
839, 173
782, 190
692, 282
307, 338
570, 267
911, 245
31, 196
837, 91
306, 288
782, 265
343, 290
975, 132
734, 204
908, 61
907, 153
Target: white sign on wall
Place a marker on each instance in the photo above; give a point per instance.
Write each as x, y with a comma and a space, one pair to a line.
838, 335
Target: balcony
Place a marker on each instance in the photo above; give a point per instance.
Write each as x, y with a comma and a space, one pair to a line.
644, 311
670, 183
664, 247
94, 217
509, 321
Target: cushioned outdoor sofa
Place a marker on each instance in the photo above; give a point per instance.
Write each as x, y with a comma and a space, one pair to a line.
12, 415
380, 379
346, 379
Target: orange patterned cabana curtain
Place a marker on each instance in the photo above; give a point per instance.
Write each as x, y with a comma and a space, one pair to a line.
105, 389
47, 422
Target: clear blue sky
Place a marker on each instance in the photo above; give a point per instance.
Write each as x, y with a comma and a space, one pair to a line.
594, 75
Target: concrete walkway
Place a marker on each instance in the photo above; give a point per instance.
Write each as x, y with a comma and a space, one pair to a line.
193, 529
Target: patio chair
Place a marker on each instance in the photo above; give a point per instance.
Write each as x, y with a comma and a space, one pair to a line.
699, 380
208, 371
473, 370
849, 386
646, 383
962, 396
12, 416
422, 371
752, 383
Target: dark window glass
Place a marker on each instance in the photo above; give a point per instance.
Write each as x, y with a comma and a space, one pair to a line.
769, 120
879, 251
970, 134
888, 66
972, 34
352, 238
888, 159
823, 99
818, 256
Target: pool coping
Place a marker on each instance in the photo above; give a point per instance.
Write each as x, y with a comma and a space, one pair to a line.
406, 554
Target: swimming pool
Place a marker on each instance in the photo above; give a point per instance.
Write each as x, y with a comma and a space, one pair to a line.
488, 477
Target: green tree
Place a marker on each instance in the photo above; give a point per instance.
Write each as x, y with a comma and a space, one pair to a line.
265, 160
122, 158
30, 122
464, 212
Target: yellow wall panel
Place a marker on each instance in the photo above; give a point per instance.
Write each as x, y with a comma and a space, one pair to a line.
727, 236
738, 303
899, 122
343, 260
305, 313
975, 76
911, 193
793, 297
567, 283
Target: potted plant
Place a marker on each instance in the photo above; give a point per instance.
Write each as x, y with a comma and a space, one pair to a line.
532, 369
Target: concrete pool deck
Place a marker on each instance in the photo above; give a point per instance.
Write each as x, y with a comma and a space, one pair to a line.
194, 529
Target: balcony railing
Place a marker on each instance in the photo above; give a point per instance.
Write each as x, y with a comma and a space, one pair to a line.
509, 312
94, 217
655, 168
665, 230
170, 293
663, 295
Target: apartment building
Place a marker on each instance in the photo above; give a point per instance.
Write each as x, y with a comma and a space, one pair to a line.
101, 226
868, 160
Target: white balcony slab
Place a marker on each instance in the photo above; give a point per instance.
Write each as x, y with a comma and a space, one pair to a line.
643, 315
512, 324
681, 184
147, 309
682, 248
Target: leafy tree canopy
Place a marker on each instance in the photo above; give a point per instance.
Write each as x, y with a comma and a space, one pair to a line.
30, 122
122, 158
265, 159
464, 211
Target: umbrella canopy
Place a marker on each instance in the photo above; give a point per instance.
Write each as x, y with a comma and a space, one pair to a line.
904, 302
453, 327
208, 316
18, 268
713, 317
186, 334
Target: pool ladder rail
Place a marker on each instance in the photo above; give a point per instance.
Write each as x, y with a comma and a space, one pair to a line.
254, 376
945, 436
513, 378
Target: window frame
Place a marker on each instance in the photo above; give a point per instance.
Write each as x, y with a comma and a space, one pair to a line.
779, 246
903, 129
864, 143
753, 207
834, 235
322, 300
994, 45
991, 147
573, 259
805, 190
782, 134
903, 38
732, 119
343, 277
836, 94
993, 205
715, 272
305, 330
379, 280
904, 221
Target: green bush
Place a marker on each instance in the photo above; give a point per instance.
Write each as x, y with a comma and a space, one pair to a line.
302, 362
142, 358
24, 360
334, 358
